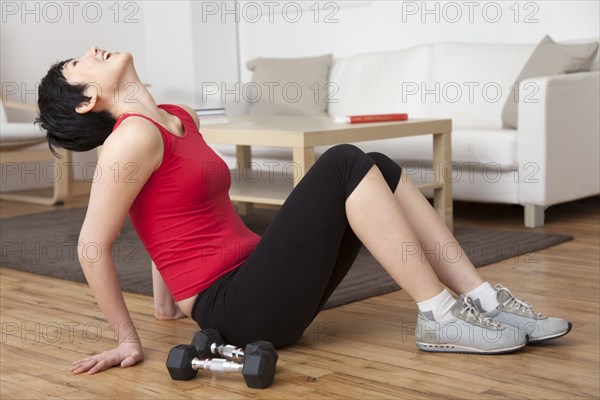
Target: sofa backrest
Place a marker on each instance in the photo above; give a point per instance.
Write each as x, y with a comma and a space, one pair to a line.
474, 81
468, 82
371, 83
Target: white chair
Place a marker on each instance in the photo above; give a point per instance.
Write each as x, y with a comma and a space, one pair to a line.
16, 142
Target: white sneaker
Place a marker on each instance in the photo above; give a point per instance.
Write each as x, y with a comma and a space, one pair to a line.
468, 332
520, 314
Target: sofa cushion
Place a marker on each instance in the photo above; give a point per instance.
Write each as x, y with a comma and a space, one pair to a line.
496, 148
549, 58
471, 81
381, 82
288, 86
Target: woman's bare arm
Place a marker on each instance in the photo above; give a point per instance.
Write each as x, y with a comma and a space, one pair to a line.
164, 305
129, 156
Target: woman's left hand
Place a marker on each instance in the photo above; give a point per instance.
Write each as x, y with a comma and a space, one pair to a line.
125, 355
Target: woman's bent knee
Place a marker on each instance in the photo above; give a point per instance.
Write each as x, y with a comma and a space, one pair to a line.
342, 151
341, 168
390, 170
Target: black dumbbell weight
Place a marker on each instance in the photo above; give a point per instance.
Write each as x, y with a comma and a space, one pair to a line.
209, 343
258, 369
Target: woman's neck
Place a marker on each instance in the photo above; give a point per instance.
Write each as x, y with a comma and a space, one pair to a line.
142, 102
134, 98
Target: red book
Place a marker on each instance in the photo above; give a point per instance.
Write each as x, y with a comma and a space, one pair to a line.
357, 119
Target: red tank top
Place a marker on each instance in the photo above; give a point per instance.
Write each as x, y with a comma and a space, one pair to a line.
183, 214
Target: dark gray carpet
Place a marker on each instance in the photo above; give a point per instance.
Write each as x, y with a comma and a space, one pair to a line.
46, 243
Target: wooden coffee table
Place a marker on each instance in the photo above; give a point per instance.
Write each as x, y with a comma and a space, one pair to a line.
302, 134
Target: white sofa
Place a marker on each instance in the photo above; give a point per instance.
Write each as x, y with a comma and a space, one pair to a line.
552, 157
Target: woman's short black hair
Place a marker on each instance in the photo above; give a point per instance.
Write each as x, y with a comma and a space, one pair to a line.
66, 128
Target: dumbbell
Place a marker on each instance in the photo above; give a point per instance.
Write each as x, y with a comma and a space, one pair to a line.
209, 343
183, 364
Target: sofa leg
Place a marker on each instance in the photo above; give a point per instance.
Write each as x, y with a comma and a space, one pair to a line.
534, 215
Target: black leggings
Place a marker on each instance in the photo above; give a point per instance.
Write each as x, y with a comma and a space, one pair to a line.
301, 258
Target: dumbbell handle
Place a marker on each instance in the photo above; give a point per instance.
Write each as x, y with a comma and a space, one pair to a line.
228, 351
216, 365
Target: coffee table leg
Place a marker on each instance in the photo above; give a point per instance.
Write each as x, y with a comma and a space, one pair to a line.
304, 158
243, 155
442, 158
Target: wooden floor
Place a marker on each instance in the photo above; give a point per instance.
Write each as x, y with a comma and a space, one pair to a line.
364, 350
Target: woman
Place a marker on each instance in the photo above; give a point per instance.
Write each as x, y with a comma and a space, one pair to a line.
210, 267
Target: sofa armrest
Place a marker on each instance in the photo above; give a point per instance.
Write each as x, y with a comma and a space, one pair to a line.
558, 138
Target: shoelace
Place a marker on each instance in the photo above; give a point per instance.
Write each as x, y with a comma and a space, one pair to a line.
519, 305
474, 314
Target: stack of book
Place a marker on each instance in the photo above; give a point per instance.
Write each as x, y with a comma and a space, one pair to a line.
212, 116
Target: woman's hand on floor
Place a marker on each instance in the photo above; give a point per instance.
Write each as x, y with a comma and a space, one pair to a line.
125, 355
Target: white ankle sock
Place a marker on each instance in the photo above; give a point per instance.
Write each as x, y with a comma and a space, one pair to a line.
438, 308
484, 296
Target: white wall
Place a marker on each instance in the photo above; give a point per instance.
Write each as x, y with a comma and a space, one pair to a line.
215, 51
386, 25
185, 52
169, 58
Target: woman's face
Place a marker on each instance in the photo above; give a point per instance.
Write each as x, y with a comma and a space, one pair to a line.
100, 68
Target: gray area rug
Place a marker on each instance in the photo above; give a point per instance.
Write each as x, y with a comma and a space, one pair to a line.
46, 244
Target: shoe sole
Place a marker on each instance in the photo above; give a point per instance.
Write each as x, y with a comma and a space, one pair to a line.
555, 336
453, 348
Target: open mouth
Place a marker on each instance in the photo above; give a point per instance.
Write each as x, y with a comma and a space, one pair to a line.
106, 55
